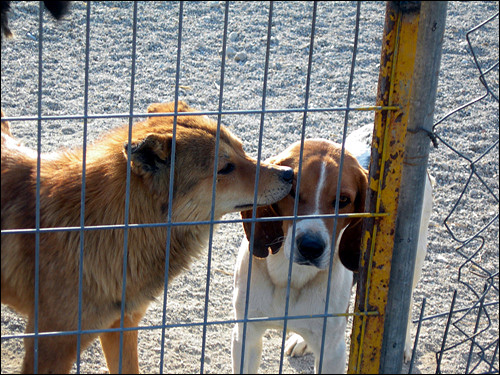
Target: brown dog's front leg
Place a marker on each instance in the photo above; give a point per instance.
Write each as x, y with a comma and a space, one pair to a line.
110, 342
56, 355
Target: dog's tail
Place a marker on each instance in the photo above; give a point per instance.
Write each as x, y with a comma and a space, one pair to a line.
56, 8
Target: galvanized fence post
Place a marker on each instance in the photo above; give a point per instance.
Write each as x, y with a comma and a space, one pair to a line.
385, 244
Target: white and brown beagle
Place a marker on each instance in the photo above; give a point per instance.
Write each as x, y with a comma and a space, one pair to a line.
310, 245
274, 242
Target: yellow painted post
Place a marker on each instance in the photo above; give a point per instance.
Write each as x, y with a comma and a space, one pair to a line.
394, 88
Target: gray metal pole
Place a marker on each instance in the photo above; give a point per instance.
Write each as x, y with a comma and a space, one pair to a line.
421, 113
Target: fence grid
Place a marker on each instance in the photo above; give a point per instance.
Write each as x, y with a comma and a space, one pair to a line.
467, 324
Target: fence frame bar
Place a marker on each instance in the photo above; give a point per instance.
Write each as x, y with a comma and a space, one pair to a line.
394, 88
421, 118
411, 56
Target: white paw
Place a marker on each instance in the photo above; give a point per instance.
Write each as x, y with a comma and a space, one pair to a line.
295, 346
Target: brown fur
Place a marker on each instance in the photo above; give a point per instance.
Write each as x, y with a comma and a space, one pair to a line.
60, 196
5, 127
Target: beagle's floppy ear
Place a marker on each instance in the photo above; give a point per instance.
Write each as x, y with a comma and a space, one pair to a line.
268, 235
350, 243
150, 154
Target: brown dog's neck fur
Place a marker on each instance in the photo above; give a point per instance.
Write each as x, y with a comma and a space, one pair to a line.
104, 206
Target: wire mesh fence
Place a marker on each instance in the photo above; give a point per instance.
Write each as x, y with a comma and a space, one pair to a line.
470, 336
266, 79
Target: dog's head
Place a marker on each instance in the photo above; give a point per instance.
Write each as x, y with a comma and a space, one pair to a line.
196, 137
317, 196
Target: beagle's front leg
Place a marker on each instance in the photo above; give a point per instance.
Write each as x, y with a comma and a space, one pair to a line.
334, 357
253, 348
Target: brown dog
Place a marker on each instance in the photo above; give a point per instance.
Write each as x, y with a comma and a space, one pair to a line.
106, 169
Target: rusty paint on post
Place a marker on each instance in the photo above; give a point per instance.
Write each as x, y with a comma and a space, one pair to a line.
394, 87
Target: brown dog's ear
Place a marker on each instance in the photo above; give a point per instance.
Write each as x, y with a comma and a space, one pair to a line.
267, 235
5, 126
350, 243
150, 154
169, 107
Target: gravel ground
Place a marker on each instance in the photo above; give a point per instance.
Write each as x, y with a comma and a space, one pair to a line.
472, 132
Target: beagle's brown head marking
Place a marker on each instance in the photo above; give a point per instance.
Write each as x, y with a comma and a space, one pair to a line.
317, 195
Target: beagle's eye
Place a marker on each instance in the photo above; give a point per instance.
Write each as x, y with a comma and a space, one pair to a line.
228, 168
344, 200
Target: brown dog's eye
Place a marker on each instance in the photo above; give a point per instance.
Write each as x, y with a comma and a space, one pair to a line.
343, 201
228, 168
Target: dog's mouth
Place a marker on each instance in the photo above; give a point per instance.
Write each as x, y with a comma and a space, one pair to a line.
244, 207
306, 262
267, 199
249, 206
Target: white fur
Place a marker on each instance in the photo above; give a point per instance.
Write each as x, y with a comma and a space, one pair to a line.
307, 297
420, 256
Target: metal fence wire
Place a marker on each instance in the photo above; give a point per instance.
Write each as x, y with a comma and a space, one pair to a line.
470, 349
273, 73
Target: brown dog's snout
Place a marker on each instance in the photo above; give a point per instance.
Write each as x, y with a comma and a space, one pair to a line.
274, 184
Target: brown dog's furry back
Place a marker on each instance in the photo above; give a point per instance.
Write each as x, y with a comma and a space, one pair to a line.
150, 151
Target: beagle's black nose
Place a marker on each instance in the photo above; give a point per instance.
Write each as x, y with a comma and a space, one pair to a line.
310, 246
